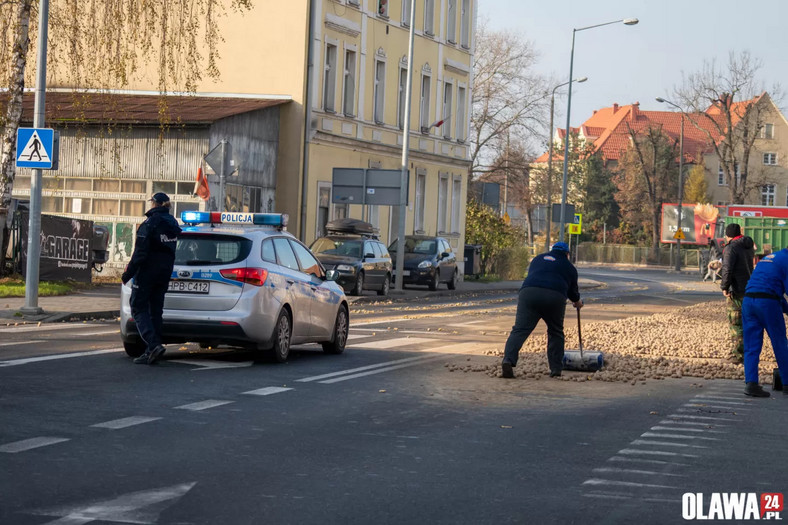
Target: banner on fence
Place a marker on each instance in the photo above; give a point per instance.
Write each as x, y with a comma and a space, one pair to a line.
65, 248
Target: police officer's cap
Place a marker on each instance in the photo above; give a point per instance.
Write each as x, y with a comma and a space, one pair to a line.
160, 198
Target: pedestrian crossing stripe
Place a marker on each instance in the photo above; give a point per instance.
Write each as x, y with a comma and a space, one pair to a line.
37, 150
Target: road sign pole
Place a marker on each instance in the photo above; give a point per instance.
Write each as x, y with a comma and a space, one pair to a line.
34, 228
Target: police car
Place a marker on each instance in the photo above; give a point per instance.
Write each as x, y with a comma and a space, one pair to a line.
241, 279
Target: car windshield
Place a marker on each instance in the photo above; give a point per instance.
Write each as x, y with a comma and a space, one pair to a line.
197, 249
422, 246
342, 247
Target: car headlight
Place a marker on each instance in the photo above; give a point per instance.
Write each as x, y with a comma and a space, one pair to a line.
425, 264
345, 268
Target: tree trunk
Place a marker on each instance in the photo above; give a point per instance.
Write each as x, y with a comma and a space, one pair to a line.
12, 118
655, 222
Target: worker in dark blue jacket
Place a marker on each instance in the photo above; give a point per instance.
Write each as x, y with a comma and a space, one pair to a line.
762, 309
551, 279
151, 268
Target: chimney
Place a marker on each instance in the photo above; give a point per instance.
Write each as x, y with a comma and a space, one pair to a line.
633, 115
615, 108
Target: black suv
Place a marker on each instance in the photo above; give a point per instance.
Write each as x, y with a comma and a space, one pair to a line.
428, 260
351, 247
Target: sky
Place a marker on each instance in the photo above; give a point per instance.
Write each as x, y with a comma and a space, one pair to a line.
627, 64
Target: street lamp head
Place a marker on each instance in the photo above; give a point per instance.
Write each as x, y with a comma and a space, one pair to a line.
630, 21
660, 99
581, 79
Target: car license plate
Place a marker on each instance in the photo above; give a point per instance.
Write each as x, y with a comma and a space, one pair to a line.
405, 273
189, 286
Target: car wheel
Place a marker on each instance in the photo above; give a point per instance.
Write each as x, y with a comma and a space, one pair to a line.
434, 282
283, 332
341, 326
384, 290
134, 349
358, 288
453, 283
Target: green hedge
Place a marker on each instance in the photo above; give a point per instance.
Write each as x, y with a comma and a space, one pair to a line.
511, 264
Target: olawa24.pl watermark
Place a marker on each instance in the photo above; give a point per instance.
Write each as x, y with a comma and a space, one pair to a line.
732, 506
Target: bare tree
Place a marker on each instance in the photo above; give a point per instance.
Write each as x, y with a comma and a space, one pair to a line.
510, 99
729, 105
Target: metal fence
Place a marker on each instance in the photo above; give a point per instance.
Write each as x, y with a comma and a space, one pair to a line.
639, 255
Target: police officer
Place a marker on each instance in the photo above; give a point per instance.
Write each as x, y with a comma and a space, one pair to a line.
762, 309
551, 279
150, 268
736, 269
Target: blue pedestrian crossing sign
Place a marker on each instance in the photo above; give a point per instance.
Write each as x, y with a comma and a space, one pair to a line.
35, 148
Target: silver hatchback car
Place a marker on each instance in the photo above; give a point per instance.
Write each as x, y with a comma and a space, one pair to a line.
240, 279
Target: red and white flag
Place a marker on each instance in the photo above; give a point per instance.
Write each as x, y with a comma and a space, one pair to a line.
201, 186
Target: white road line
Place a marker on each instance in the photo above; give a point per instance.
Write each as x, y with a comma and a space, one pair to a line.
17, 362
202, 405
634, 451
357, 336
125, 422
620, 459
46, 327
712, 418
635, 471
716, 400
664, 443
680, 429
362, 368
461, 325
267, 391
606, 496
459, 349
394, 343
598, 481
707, 396
697, 423
106, 332
28, 444
716, 407
383, 330
676, 436
22, 343
369, 323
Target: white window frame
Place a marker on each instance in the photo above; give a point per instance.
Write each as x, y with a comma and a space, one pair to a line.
330, 77
721, 176
448, 92
401, 87
418, 212
443, 201
770, 134
770, 159
349, 84
429, 17
383, 8
321, 186
462, 101
379, 92
456, 196
451, 22
768, 193
465, 24
406, 13
373, 215
424, 103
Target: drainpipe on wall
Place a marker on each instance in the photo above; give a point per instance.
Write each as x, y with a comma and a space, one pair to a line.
307, 119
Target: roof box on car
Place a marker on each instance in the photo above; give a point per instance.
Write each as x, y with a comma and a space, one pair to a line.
355, 226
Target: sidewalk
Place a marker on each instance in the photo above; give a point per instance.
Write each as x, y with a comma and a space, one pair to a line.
103, 302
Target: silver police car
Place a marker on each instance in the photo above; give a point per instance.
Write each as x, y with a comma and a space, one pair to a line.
240, 279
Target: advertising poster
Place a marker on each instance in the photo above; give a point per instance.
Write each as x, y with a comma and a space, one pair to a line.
65, 248
697, 222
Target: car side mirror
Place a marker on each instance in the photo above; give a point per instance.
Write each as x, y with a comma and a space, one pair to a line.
444, 255
369, 255
332, 275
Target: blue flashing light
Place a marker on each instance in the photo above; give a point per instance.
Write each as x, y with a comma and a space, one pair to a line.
195, 217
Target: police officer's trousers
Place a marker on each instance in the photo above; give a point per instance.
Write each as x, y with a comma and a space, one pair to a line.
147, 306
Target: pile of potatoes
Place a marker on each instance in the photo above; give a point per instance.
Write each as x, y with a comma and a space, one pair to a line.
689, 342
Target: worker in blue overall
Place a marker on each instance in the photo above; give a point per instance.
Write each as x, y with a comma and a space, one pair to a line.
551, 280
762, 309
151, 268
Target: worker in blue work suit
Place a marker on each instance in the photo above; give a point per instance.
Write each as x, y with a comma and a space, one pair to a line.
762, 309
551, 279
151, 268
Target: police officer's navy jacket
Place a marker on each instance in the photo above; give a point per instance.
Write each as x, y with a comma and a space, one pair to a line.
737, 265
154, 251
552, 270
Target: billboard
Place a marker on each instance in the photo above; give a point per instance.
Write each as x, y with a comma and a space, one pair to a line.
748, 210
65, 248
697, 222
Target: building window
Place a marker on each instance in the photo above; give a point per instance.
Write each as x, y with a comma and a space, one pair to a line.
456, 193
443, 195
373, 215
770, 159
418, 215
465, 24
379, 92
429, 16
406, 13
767, 132
451, 22
401, 91
353, 2
425, 104
349, 94
323, 207
767, 195
340, 211
329, 77
383, 8
721, 177
447, 100
460, 119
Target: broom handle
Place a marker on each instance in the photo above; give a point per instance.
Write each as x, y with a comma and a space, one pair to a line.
579, 335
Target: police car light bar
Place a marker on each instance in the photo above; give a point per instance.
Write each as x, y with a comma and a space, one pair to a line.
227, 217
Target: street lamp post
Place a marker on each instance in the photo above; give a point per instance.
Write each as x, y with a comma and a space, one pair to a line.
681, 181
549, 213
626, 21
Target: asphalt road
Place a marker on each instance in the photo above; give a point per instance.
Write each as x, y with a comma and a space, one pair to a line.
383, 433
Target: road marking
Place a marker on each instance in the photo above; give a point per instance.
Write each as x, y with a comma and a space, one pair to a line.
635, 471
395, 331
684, 416
362, 368
36, 328
702, 396
211, 364
28, 444
392, 320
676, 436
634, 451
203, 405
717, 407
700, 424
357, 336
98, 333
598, 481
128, 508
394, 343
267, 391
664, 443
621, 459
17, 362
458, 349
606, 496
21, 343
679, 429
125, 422
461, 325
717, 400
